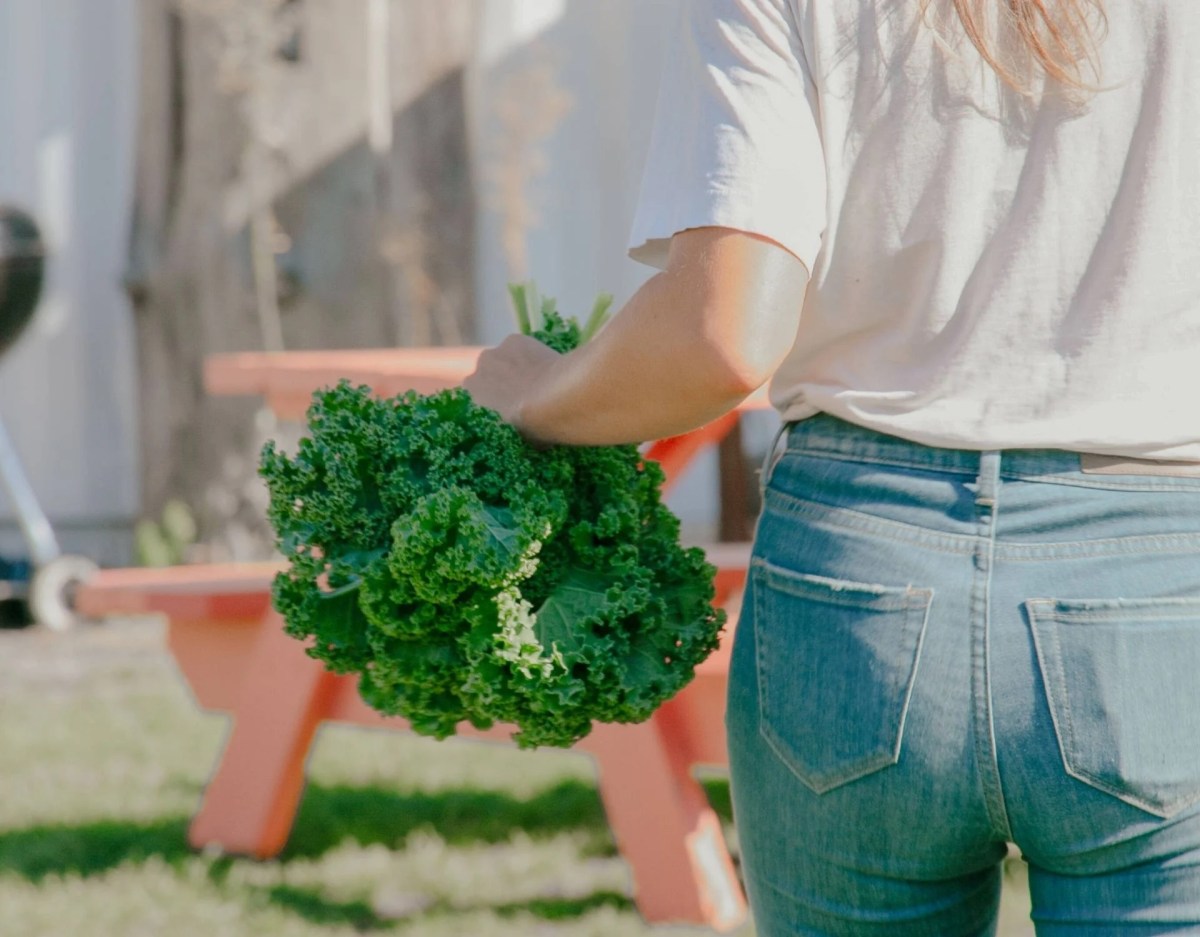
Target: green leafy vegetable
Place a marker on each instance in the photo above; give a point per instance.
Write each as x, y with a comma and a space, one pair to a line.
468, 576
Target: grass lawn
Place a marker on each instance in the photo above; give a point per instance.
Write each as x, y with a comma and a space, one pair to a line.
103, 756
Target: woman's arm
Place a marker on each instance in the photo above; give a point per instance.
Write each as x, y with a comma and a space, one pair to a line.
690, 345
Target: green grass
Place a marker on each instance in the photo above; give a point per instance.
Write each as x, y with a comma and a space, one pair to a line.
103, 757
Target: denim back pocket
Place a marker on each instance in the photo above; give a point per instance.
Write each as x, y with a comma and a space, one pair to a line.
1122, 678
836, 664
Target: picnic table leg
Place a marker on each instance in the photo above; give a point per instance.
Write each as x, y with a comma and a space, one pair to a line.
664, 827
251, 800
676, 453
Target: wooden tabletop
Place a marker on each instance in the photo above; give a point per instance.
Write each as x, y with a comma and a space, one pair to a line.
286, 380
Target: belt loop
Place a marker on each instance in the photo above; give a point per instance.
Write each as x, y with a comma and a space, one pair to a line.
771, 459
988, 482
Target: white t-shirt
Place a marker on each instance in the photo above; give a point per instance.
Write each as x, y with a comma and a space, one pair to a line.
986, 272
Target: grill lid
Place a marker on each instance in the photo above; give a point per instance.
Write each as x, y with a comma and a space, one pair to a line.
22, 267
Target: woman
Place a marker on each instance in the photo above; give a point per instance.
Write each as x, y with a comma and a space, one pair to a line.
965, 248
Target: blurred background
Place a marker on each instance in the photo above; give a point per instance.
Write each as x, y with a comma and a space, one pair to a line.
227, 175
243, 175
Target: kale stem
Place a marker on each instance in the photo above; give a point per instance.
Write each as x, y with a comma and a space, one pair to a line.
520, 299
535, 311
598, 317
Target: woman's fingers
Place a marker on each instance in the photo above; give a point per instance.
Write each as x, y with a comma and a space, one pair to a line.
507, 375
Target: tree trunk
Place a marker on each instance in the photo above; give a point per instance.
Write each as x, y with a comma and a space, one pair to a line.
258, 140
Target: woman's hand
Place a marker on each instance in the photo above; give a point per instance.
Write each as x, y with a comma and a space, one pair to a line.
508, 376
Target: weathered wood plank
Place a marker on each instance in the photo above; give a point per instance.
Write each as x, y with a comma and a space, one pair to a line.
227, 129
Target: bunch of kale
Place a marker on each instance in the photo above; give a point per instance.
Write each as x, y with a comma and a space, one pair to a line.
467, 575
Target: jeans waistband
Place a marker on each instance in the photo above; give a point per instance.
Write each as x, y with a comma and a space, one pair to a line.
833, 436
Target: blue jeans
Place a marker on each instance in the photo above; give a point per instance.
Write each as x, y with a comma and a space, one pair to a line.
942, 651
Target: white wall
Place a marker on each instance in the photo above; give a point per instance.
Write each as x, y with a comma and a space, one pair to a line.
67, 115
606, 56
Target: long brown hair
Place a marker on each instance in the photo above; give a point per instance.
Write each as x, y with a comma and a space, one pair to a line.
1059, 37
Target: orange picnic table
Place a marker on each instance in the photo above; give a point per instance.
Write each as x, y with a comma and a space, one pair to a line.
286, 381
222, 631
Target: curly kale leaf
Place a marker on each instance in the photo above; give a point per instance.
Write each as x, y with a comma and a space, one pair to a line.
467, 576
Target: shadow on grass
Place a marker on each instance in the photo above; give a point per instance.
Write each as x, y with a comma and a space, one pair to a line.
563, 909
328, 816
310, 904
90, 848
717, 792
315, 908
374, 815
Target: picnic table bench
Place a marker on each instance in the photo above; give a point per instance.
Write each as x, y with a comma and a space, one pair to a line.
232, 651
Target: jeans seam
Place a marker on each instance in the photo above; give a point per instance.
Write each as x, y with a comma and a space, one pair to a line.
1114, 546
959, 544
919, 600
987, 515
773, 457
1065, 730
944, 542
1105, 485
806, 450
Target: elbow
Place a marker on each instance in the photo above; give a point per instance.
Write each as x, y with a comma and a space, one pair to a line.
735, 376
745, 349
740, 296
743, 360
744, 379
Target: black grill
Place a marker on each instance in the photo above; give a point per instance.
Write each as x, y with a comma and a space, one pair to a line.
22, 268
